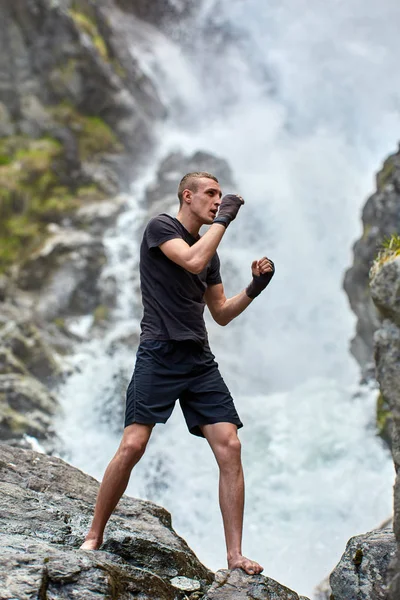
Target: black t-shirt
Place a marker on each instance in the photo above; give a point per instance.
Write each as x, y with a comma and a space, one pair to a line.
173, 298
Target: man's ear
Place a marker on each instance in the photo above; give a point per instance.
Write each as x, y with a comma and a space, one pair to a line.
187, 196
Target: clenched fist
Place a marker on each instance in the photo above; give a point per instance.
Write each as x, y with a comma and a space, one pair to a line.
263, 270
228, 209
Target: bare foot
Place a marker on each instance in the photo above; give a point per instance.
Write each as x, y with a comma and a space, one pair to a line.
241, 562
91, 544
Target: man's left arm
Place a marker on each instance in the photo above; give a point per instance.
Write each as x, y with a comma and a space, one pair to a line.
224, 309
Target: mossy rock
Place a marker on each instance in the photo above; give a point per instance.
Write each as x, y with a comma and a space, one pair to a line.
88, 25
384, 419
93, 134
386, 173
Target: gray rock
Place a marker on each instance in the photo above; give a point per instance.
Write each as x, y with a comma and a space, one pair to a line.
362, 573
385, 289
240, 586
26, 409
381, 218
46, 521
28, 348
98, 216
65, 270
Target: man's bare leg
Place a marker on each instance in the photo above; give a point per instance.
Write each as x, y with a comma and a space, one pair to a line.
225, 444
115, 480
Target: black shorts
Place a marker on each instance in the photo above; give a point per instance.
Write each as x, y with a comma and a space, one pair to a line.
169, 370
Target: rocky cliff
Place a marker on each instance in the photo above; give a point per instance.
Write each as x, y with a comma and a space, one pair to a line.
380, 218
77, 118
385, 292
45, 509
77, 113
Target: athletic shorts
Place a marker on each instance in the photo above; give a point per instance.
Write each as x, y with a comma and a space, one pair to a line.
166, 371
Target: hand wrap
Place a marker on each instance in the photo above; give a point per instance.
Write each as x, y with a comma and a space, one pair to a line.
260, 282
228, 209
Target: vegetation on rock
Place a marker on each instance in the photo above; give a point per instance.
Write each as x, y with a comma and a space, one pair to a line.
35, 188
390, 248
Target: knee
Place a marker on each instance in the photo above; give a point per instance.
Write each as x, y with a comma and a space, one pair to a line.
132, 449
229, 452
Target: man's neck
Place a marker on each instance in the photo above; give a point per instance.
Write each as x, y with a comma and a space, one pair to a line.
190, 223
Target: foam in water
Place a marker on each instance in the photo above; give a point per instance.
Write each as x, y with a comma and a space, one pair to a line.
302, 104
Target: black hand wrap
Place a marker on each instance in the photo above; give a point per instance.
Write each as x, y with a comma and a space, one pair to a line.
260, 282
228, 209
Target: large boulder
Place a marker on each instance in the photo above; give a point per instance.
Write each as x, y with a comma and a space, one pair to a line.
45, 510
238, 585
362, 573
46, 521
380, 218
385, 284
62, 275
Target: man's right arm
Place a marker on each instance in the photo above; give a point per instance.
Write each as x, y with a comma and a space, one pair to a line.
195, 258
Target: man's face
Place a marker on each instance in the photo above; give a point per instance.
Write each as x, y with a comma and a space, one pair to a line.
206, 200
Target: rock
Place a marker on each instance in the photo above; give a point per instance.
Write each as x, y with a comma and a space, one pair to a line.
98, 216
160, 12
381, 218
10, 364
185, 584
26, 409
24, 341
385, 289
65, 270
362, 572
240, 586
43, 526
385, 281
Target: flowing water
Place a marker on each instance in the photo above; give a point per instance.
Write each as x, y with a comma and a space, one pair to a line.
303, 103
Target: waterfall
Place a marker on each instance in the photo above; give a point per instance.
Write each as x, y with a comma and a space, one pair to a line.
302, 103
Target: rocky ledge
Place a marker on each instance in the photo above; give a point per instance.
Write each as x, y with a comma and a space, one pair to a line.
45, 509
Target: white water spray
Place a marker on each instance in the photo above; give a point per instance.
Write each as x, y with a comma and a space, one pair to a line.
303, 105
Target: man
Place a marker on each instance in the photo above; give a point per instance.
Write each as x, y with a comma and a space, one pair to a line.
179, 273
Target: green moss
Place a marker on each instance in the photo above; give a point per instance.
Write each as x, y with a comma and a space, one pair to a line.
28, 185
89, 26
96, 137
93, 134
383, 415
88, 193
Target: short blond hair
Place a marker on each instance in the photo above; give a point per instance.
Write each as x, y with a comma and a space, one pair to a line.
188, 182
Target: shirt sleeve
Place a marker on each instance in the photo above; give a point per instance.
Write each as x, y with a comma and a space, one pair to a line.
213, 273
160, 230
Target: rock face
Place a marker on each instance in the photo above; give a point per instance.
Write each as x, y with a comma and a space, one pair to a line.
381, 218
77, 113
385, 284
45, 509
237, 585
362, 573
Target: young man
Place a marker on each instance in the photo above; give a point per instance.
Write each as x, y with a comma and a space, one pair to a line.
179, 273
